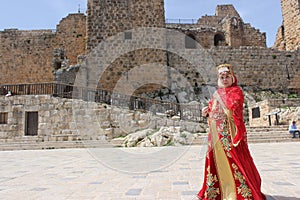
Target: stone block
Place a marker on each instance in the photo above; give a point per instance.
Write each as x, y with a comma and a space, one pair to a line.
3, 135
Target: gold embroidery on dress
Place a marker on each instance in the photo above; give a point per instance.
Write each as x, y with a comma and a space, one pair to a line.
243, 189
226, 140
211, 192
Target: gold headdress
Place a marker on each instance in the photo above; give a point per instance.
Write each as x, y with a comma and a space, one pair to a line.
225, 68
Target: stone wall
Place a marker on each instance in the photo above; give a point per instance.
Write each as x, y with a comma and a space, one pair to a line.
291, 23
28, 56
71, 36
106, 18
264, 109
262, 68
62, 119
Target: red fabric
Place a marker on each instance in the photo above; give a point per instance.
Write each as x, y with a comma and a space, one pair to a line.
233, 99
246, 164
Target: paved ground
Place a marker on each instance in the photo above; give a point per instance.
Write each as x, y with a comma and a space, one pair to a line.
135, 173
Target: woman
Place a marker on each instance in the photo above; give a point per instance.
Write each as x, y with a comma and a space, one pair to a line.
230, 172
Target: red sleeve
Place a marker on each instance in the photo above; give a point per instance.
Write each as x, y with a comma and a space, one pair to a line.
235, 103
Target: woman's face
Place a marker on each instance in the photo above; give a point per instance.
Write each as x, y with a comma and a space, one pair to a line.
226, 79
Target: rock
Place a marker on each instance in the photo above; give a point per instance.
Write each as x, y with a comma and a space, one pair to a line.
133, 139
164, 136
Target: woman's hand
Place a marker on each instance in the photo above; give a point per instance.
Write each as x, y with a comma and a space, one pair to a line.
205, 111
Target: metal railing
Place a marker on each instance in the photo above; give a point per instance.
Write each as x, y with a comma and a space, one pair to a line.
190, 112
27, 89
181, 21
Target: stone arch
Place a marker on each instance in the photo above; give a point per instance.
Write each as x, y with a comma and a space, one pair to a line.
100, 58
219, 38
121, 66
136, 81
138, 72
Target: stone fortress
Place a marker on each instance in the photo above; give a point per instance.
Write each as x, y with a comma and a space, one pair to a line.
65, 56
36, 54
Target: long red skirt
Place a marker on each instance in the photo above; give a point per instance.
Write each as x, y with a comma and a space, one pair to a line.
230, 172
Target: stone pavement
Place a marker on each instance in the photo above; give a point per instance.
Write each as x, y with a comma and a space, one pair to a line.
135, 173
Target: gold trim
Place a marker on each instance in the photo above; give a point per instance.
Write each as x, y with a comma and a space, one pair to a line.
226, 179
232, 127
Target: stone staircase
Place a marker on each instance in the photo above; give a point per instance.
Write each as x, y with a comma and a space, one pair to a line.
270, 134
27, 143
255, 135
261, 135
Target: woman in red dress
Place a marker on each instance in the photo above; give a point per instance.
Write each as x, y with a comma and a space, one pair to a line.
230, 172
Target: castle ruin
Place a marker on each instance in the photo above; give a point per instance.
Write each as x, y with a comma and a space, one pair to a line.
128, 46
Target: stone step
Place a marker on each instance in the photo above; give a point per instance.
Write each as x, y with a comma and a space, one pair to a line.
268, 133
54, 145
258, 134
258, 137
267, 129
260, 140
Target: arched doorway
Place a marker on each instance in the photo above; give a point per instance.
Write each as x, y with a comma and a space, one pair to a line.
219, 39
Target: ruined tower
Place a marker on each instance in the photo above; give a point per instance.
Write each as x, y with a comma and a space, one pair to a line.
232, 24
106, 18
291, 23
121, 18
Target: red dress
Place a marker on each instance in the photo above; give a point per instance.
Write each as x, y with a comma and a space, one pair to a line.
230, 172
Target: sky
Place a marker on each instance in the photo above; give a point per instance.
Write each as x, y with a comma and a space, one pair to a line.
264, 15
